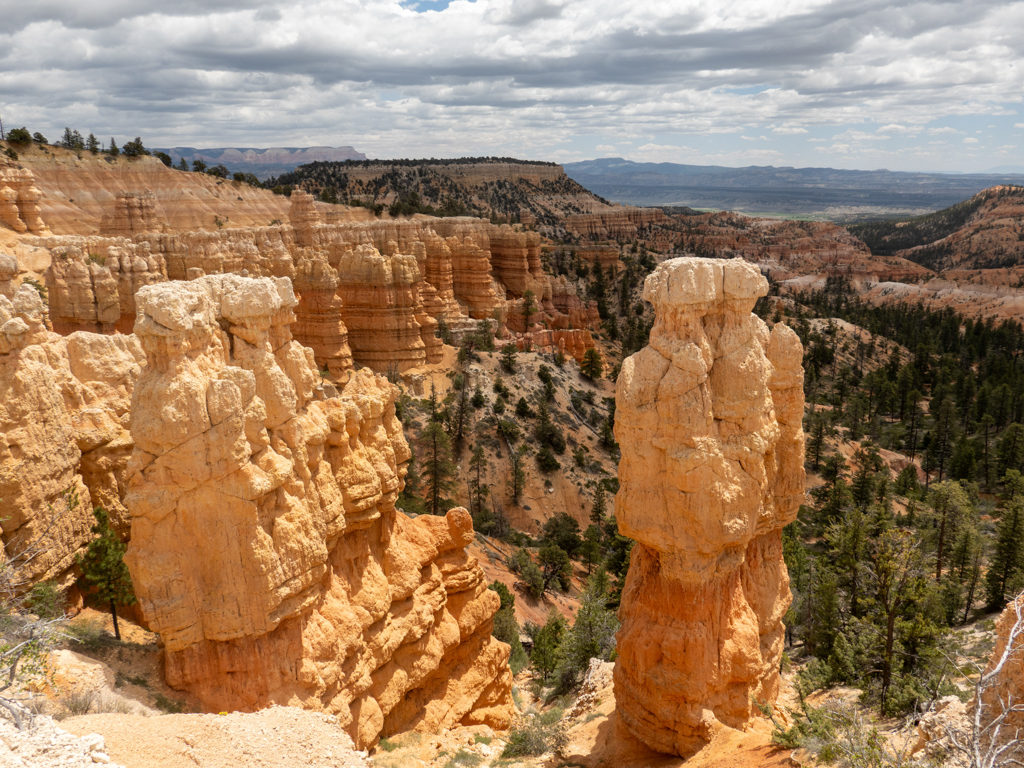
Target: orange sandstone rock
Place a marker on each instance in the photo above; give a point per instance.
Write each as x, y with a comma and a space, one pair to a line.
266, 548
63, 431
708, 417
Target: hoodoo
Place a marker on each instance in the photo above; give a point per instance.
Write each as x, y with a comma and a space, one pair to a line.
265, 545
709, 422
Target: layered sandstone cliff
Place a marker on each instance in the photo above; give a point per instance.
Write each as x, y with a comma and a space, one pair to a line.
64, 442
295, 580
708, 417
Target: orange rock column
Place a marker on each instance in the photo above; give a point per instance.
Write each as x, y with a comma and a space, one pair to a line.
708, 417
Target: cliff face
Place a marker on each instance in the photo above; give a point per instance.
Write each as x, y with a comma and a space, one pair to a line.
708, 417
295, 580
63, 432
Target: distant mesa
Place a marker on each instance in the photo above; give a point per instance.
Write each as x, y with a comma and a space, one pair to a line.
262, 162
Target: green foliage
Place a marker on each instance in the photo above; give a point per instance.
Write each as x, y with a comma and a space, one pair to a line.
562, 530
438, 468
103, 566
113, 150
535, 735
506, 628
508, 358
546, 460
19, 136
592, 635
134, 148
592, 366
546, 642
555, 566
165, 159
45, 600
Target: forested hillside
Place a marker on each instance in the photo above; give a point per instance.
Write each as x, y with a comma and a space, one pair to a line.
915, 522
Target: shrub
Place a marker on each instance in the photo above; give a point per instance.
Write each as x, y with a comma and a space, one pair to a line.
19, 136
536, 734
546, 460
46, 601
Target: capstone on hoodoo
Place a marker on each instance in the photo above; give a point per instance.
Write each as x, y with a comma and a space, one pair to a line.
708, 417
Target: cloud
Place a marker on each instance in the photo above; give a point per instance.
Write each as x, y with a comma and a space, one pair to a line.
505, 76
1018, 125
605, 148
970, 141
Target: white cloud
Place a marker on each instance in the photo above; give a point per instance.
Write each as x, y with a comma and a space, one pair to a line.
970, 141
527, 77
1018, 125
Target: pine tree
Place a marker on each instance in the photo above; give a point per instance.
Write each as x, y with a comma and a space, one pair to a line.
1008, 555
438, 467
113, 151
593, 632
592, 365
478, 490
506, 628
517, 475
92, 144
817, 441
103, 566
544, 656
597, 512
528, 306
508, 358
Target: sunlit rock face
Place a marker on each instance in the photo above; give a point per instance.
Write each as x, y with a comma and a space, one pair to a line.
708, 418
265, 545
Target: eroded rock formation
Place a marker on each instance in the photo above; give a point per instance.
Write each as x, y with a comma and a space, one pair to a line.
64, 442
19, 201
708, 417
295, 580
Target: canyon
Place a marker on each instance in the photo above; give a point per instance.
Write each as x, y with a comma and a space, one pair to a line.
224, 370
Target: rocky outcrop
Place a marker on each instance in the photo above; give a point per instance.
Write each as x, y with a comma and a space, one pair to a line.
295, 580
616, 224
708, 417
19, 201
318, 322
92, 283
134, 212
8, 272
64, 443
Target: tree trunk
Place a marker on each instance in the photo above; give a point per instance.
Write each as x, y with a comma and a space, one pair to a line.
113, 613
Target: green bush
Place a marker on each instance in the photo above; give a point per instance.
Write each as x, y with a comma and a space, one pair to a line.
45, 600
19, 136
536, 734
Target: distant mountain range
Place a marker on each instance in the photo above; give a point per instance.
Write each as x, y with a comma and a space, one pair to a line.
264, 163
823, 192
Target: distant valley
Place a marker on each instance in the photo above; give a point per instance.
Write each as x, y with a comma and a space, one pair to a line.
828, 193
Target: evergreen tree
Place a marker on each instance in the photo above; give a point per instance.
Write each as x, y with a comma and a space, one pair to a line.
562, 530
113, 151
1008, 554
438, 467
593, 632
529, 305
409, 499
517, 475
1010, 449
508, 358
544, 656
592, 365
598, 511
103, 566
556, 566
506, 628
478, 490
92, 144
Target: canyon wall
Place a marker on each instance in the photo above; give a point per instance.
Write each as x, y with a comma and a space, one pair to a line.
64, 442
266, 549
708, 417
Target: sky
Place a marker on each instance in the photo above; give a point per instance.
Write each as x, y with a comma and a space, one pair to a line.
936, 85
